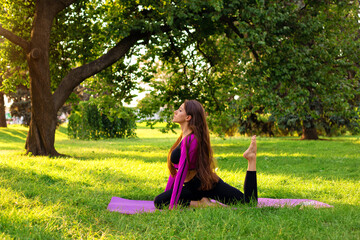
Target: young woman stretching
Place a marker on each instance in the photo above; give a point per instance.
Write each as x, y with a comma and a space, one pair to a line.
192, 179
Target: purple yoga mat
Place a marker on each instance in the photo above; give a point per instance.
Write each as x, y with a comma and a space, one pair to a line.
127, 206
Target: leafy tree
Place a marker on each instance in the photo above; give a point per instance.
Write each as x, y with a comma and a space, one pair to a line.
270, 58
21, 106
88, 37
306, 74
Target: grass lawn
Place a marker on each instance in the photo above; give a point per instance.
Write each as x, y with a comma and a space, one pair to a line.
66, 198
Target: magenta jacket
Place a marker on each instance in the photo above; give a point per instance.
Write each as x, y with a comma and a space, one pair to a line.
176, 182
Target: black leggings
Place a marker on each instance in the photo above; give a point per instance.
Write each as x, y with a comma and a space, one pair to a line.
221, 192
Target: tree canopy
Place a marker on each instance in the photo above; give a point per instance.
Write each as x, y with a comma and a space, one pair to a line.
291, 62
240, 58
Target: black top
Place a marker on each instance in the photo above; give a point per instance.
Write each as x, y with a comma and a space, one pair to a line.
175, 154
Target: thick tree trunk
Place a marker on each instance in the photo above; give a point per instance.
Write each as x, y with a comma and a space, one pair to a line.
41, 136
309, 134
2, 111
309, 131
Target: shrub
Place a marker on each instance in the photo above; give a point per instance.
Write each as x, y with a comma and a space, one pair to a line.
89, 121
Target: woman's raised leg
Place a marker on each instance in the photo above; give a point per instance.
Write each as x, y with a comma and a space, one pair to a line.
227, 194
250, 154
250, 184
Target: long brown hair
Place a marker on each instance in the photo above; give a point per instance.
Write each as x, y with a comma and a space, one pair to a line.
205, 165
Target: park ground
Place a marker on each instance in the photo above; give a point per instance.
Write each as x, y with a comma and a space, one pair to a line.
66, 198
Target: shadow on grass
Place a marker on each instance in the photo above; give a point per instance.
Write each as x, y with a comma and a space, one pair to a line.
76, 201
119, 155
142, 150
48, 188
284, 193
13, 135
305, 167
329, 161
128, 143
27, 229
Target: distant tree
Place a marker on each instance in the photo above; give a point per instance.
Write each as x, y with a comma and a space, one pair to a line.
2, 111
307, 73
21, 105
2, 103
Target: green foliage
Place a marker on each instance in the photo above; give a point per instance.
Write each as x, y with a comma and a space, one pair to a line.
89, 122
13, 68
239, 58
275, 58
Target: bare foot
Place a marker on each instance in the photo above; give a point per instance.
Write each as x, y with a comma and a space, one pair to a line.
250, 154
204, 202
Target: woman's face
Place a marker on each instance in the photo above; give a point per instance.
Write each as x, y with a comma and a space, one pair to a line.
180, 114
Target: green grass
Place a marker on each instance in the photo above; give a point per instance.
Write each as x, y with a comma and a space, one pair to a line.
66, 198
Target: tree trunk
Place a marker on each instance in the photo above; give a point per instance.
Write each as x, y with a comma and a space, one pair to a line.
2, 111
41, 136
309, 130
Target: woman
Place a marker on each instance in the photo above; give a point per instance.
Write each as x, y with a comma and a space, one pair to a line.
192, 177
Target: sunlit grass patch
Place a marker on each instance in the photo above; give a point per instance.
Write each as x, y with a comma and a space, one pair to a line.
66, 197
269, 154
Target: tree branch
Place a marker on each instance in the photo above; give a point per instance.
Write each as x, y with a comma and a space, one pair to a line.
208, 58
62, 4
230, 23
79, 74
15, 39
